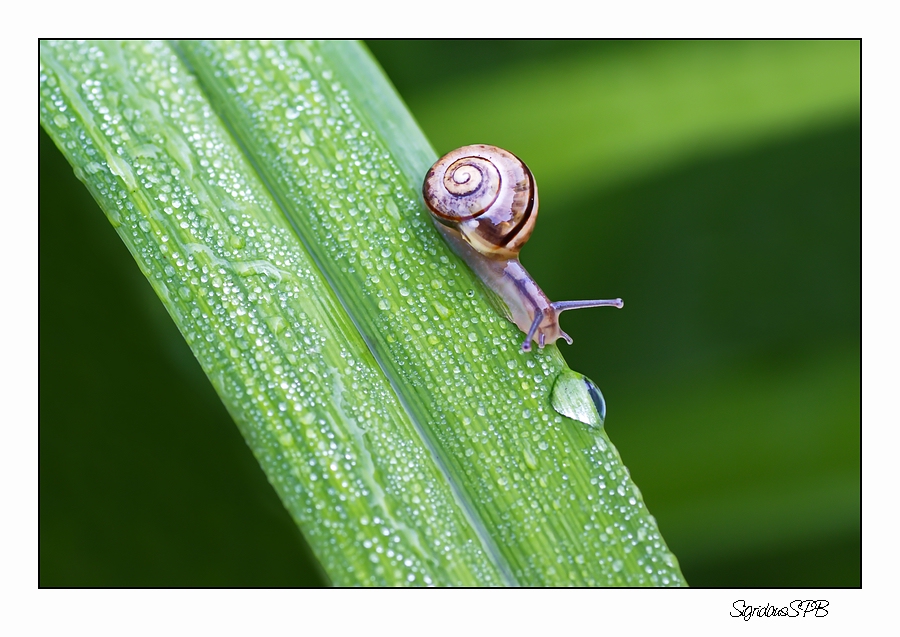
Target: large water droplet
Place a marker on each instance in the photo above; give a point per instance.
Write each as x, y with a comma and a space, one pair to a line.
576, 396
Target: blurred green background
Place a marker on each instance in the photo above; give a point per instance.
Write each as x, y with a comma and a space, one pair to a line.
715, 186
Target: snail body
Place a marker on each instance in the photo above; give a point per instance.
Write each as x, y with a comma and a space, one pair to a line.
484, 201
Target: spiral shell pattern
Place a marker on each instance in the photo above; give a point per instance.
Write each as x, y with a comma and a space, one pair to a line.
486, 193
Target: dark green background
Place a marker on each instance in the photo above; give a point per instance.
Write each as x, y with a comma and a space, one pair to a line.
714, 186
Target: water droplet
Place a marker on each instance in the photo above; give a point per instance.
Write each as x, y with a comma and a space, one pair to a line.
392, 208
120, 167
530, 461
576, 396
277, 324
443, 311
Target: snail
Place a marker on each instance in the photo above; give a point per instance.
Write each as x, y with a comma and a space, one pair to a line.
484, 201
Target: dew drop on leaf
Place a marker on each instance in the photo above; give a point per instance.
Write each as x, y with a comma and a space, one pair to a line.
576, 396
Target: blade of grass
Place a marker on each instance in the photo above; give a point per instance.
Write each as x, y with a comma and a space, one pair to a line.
548, 499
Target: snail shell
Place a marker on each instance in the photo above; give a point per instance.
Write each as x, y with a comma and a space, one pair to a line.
485, 202
487, 194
